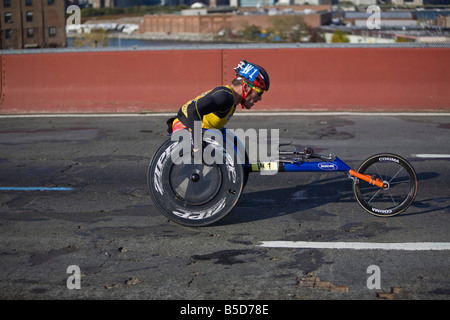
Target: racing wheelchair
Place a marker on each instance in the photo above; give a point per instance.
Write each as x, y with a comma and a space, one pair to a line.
199, 193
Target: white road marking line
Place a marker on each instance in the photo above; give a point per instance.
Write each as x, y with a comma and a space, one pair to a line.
431, 156
408, 246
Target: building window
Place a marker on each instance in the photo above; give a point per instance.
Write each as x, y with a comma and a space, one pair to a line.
30, 33
30, 16
52, 31
28, 2
6, 3
8, 34
8, 17
51, 2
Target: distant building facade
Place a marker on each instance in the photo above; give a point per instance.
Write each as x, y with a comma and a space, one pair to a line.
101, 3
32, 24
122, 3
204, 23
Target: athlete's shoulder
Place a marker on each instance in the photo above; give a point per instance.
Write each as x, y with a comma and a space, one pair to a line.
222, 90
223, 93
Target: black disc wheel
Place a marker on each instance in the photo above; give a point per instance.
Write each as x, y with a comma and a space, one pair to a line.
195, 184
194, 193
400, 182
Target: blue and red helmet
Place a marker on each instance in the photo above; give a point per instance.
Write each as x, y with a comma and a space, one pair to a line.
253, 74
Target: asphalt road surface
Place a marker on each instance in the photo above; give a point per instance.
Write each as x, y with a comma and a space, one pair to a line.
77, 220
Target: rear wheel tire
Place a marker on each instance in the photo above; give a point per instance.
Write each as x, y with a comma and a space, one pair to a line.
192, 194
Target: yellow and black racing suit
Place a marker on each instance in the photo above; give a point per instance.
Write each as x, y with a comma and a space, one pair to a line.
213, 108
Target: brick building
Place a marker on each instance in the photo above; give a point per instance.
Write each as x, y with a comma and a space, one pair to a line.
122, 3
167, 23
205, 23
32, 24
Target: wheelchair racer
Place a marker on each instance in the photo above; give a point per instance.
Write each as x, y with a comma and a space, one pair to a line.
214, 108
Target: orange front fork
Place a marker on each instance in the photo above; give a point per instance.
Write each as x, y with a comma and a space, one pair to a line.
377, 182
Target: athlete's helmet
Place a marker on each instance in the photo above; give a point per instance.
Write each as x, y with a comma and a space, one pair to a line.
253, 74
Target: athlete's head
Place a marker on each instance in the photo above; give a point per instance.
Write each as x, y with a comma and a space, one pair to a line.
253, 75
255, 78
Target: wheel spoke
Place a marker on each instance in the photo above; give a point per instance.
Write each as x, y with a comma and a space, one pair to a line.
395, 203
399, 182
379, 174
401, 168
374, 195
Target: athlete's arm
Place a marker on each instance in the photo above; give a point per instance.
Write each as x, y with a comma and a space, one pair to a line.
216, 101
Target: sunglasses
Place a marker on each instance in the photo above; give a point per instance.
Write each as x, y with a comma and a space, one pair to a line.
258, 90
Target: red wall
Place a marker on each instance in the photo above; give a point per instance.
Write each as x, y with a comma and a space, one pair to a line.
357, 79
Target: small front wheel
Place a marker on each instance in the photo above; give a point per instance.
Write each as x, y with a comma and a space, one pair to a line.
400, 182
